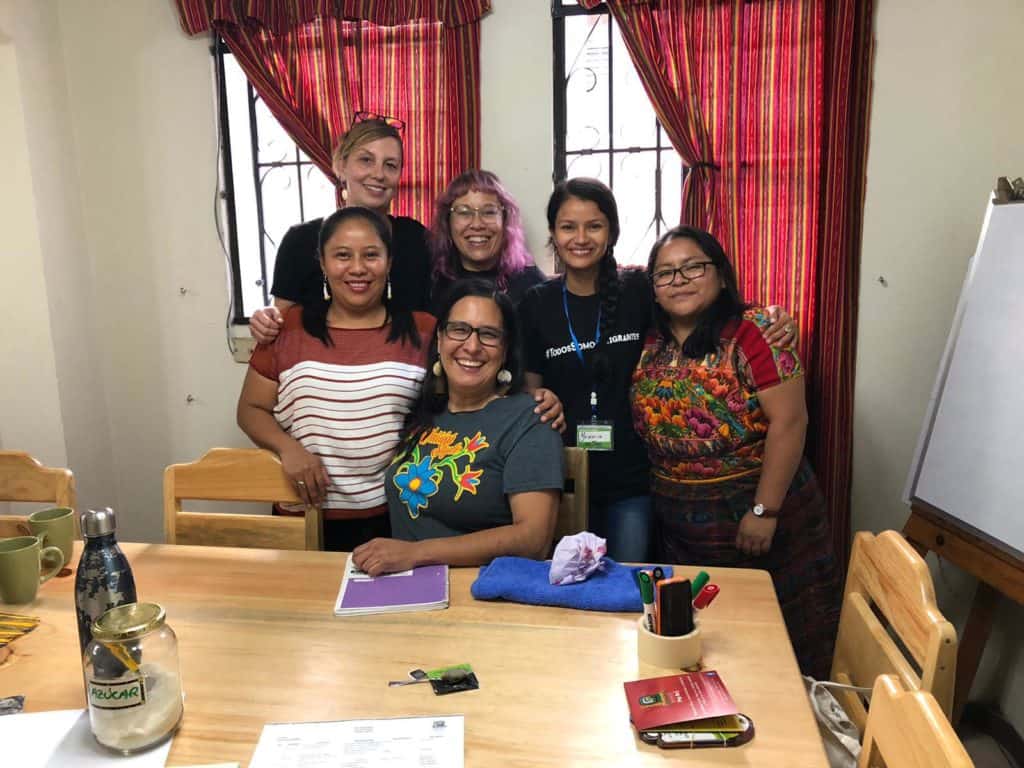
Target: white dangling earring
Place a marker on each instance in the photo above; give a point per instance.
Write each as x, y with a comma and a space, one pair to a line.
389, 288
440, 387
504, 377
327, 291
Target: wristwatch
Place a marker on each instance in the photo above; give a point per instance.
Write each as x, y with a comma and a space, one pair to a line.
760, 510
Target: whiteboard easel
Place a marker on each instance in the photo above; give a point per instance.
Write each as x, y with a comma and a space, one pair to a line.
966, 485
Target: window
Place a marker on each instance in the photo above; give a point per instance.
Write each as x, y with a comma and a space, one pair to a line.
605, 127
269, 185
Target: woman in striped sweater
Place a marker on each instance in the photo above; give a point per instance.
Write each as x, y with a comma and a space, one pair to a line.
331, 393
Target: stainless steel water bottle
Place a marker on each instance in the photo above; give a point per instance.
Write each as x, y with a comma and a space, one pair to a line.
104, 579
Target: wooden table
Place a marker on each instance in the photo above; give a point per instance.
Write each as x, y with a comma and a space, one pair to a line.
259, 643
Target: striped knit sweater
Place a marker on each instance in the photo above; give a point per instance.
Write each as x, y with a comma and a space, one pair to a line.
346, 403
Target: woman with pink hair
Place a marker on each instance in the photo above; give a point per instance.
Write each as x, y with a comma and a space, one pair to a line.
478, 232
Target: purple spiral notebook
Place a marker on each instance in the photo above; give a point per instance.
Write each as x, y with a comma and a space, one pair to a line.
422, 589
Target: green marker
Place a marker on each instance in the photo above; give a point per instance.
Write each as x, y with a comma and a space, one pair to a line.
698, 583
647, 597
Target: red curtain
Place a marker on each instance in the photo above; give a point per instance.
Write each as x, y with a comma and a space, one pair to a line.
849, 52
767, 103
315, 63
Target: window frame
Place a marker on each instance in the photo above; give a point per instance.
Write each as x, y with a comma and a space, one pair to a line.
559, 13
227, 195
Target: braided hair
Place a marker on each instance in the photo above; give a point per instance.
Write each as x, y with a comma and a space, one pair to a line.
608, 282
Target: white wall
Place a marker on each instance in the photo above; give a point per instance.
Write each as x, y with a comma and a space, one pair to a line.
141, 95
946, 115
516, 105
28, 385
40, 407
68, 297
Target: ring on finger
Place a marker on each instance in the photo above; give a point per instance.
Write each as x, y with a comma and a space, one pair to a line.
300, 483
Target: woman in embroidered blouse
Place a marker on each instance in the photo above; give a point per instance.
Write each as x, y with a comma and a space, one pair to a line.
723, 415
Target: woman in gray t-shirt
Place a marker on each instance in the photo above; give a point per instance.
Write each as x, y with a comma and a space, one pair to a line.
478, 474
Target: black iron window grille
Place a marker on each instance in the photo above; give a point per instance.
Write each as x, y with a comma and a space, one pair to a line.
605, 127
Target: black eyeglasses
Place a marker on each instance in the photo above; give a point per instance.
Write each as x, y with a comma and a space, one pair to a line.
689, 272
394, 122
459, 331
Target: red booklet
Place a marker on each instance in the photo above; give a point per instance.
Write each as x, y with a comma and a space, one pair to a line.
660, 701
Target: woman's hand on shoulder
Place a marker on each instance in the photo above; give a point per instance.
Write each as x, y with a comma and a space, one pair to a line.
755, 534
265, 324
307, 474
379, 556
782, 331
549, 407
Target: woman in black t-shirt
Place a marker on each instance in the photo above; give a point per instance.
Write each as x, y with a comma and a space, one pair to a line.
583, 335
477, 232
368, 164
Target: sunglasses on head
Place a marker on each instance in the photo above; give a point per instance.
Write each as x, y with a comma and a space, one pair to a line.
394, 122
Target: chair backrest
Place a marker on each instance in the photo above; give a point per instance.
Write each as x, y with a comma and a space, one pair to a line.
22, 478
887, 578
574, 509
236, 474
907, 729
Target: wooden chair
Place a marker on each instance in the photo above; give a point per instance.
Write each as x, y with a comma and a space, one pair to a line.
887, 580
907, 729
574, 509
22, 478
236, 474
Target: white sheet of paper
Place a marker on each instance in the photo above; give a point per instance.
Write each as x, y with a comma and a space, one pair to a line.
62, 738
404, 741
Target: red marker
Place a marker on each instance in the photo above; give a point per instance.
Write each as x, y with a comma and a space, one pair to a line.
703, 600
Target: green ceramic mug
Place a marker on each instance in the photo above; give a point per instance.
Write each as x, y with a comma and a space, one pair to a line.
56, 527
21, 559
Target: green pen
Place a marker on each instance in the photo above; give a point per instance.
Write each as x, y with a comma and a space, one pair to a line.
698, 583
647, 596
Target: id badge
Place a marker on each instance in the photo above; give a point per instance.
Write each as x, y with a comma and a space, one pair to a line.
595, 436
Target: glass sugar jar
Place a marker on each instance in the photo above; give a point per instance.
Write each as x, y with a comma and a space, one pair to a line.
132, 679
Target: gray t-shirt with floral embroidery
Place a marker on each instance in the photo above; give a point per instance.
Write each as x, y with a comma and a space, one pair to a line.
458, 477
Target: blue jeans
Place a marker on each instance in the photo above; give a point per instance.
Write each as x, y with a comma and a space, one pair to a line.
626, 524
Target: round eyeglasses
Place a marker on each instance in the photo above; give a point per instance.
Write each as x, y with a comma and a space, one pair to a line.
489, 214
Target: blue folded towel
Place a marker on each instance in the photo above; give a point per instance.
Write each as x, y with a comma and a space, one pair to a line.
613, 588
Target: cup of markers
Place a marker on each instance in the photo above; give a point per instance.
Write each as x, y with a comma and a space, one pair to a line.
667, 633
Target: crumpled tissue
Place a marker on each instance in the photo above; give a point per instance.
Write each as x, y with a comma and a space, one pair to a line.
576, 557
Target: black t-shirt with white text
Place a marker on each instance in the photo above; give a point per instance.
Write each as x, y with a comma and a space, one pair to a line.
548, 350
298, 278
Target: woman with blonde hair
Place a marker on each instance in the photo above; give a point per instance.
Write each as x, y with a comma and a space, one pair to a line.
368, 163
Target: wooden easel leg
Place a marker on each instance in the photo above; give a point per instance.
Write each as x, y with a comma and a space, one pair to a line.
972, 644
917, 532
